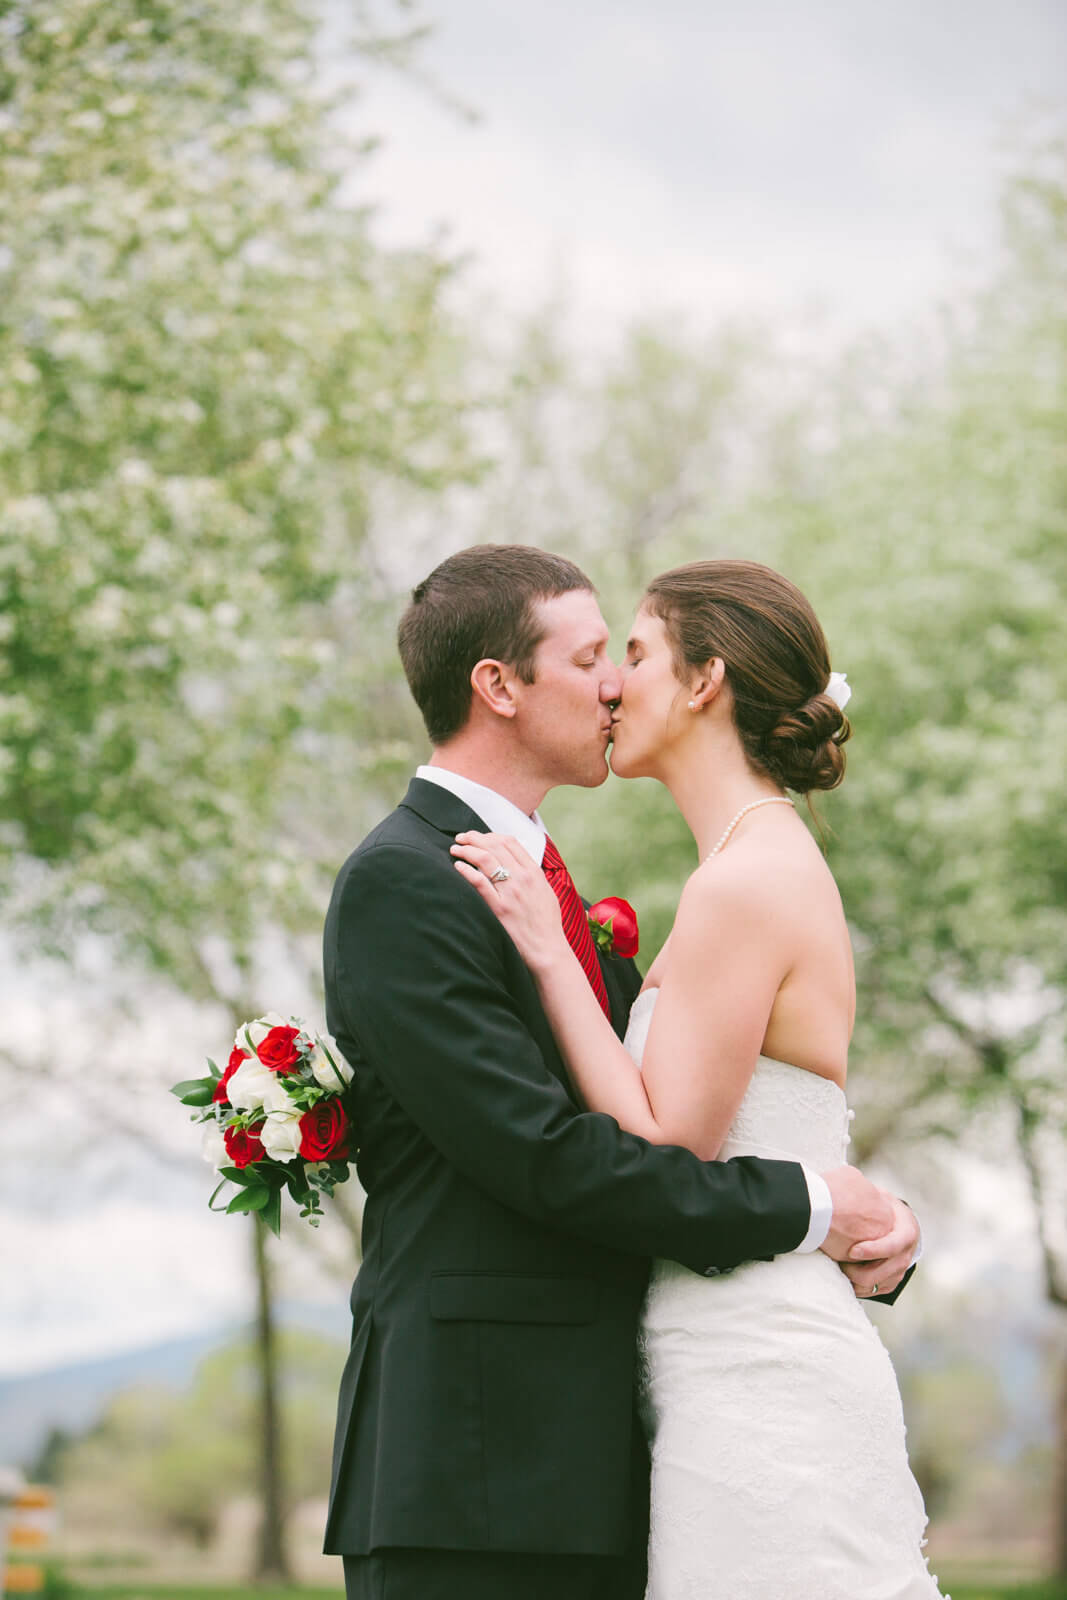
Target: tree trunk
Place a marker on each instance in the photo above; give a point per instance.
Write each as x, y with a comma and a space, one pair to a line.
272, 1560
1059, 1501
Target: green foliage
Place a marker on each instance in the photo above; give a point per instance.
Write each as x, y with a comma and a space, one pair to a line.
206, 367
57, 1585
175, 1460
934, 544
957, 1417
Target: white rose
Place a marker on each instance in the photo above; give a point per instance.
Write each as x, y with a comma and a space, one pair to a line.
325, 1070
257, 1030
213, 1147
281, 1135
254, 1087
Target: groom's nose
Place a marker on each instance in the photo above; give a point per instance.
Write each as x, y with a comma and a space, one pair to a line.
611, 683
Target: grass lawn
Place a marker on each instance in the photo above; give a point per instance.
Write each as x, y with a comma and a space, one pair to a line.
999, 1591
151, 1591
190, 1591
996, 1591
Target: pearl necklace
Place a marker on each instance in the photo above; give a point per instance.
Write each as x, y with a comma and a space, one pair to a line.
771, 800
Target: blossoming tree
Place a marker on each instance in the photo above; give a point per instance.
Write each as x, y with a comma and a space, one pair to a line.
206, 370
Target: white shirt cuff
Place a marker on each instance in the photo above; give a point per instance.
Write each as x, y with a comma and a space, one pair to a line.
822, 1212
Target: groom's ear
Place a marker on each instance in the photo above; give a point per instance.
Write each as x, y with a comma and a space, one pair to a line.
492, 682
707, 683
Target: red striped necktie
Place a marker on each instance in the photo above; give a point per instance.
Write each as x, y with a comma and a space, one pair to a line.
575, 925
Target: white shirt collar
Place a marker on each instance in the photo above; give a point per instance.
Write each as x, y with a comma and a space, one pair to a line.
498, 814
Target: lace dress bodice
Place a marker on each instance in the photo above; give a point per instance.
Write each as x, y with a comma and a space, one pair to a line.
787, 1114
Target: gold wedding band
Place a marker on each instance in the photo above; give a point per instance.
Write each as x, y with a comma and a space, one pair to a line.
499, 874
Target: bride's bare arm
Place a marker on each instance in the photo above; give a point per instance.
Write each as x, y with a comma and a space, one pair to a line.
725, 969
606, 1077
718, 990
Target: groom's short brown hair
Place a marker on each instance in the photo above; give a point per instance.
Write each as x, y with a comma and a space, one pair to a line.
478, 604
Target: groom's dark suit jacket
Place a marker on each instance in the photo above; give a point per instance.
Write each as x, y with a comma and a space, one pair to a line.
487, 1399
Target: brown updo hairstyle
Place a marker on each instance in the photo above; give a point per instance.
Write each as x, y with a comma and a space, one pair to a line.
776, 659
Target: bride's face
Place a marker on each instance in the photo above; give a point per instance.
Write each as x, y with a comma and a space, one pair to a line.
651, 713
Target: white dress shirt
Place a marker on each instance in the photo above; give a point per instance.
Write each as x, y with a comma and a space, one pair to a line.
502, 816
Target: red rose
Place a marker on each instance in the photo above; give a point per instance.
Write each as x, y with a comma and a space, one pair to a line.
220, 1097
613, 924
324, 1132
277, 1050
243, 1146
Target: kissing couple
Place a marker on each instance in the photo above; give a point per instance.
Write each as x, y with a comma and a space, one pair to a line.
612, 1253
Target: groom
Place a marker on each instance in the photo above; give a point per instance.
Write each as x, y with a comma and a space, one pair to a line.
487, 1446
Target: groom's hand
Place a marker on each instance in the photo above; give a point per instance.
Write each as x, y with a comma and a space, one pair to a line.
862, 1213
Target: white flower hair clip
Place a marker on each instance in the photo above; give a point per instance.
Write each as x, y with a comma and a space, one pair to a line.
838, 690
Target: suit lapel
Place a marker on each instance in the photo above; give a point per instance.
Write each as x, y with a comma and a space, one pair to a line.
441, 808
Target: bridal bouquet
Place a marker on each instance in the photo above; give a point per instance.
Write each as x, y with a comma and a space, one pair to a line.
275, 1118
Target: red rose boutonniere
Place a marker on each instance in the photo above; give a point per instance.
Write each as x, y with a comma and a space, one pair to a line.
613, 924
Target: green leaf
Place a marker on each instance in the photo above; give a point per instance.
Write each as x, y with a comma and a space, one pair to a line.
271, 1212
195, 1091
340, 1076
251, 1199
299, 1187
247, 1177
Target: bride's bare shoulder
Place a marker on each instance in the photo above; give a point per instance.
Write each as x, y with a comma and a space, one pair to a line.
759, 878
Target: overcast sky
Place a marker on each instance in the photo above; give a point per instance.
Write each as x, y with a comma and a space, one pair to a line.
688, 155
711, 157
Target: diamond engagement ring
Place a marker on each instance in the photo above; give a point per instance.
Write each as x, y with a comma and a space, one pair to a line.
499, 875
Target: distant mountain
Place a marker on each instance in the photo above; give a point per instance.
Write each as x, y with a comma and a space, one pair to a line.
72, 1397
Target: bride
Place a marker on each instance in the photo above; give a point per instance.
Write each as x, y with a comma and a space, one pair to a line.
778, 1453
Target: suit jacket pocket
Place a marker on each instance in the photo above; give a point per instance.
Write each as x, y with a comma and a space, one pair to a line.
511, 1297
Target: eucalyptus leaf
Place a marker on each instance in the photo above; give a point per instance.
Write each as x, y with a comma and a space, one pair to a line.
215, 1193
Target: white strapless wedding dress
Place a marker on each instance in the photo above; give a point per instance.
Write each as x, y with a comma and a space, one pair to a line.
779, 1469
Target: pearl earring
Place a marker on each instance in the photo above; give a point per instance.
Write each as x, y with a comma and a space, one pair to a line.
692, 705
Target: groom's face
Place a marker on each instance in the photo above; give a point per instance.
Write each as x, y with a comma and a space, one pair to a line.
565, 714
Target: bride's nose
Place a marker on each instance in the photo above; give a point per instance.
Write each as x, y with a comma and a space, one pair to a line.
611, 685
